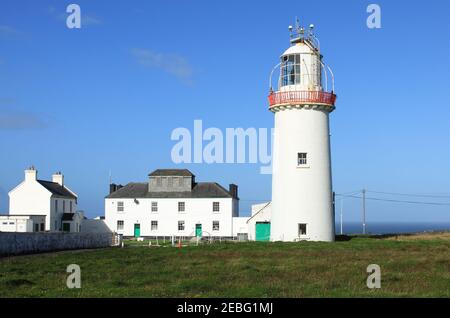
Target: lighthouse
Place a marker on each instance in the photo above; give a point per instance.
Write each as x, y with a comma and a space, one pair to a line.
302, 196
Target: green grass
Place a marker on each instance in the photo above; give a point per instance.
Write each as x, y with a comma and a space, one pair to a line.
416, 267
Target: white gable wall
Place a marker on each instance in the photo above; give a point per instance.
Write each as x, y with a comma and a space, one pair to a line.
30, 198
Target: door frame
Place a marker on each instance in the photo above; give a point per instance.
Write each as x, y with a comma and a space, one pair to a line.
137, 227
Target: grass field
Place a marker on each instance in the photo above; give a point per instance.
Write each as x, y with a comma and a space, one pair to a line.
410, 266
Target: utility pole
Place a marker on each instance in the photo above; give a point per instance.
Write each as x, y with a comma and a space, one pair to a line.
364, 210
342, 208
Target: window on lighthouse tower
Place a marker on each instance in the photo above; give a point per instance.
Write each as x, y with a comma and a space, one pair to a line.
302, 159
290, 70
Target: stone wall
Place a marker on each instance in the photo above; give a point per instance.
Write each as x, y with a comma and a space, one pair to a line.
27, 243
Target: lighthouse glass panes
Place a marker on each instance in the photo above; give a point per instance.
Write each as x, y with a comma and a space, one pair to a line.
290, 70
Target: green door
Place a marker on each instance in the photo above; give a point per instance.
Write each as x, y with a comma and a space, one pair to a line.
262, 230
198, 230
137, 230
66, 227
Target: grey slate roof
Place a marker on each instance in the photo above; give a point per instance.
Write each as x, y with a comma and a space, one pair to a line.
200, 190
56, 189
171, 172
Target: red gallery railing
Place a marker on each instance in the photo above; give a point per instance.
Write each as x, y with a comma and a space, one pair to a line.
302, 97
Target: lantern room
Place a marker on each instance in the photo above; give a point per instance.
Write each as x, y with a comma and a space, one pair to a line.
303, 76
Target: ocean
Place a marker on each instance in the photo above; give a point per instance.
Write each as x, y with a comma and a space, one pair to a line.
392, 228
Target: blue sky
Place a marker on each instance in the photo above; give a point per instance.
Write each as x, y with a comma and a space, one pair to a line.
87, 101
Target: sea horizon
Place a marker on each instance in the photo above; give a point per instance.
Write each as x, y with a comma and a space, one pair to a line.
393, 227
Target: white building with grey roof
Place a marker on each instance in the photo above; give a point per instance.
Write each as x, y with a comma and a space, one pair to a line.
37, 205
173, 203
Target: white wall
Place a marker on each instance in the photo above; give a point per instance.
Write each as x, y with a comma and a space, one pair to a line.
240, 225
198, 211
20, 223
30, 198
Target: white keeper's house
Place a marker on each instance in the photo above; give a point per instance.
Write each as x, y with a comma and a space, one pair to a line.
172, 203
38, 205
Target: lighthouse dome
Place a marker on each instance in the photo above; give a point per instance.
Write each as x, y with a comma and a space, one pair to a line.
298, 48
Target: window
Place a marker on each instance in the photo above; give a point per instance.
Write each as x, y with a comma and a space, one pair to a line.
5, 223
11, 223
181, 206
154, 206
71, 206
180, 225
215, 226
301, 229
154, 225
42, 227
119, 225
120, 207
216, 206
36, 227
302, 159
290, 70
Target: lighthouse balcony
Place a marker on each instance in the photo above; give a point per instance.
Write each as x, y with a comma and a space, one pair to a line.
301, 98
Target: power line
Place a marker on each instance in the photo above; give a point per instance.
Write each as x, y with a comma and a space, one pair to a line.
396, 201
411, 195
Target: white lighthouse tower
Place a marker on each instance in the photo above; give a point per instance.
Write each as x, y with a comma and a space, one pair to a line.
302, 197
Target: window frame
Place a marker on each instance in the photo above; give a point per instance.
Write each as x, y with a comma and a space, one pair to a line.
154, 206
154, 225
181, 207
302, 159
181, 225
216, 206
216, 225
120, 223
120, 206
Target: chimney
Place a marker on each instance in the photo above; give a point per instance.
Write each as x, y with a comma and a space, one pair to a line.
112, 188
58, 178
31, 174
234, 190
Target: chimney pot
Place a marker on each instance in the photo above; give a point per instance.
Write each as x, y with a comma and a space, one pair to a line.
234, 190
58, 178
